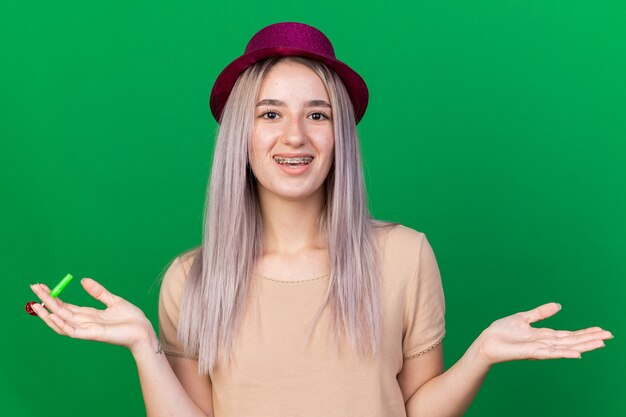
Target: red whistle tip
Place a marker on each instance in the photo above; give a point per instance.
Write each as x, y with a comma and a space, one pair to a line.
29, 308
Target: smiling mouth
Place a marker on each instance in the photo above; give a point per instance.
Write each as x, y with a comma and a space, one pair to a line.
294, 162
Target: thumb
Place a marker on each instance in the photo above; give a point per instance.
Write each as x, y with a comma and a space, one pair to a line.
541, 312
97, 291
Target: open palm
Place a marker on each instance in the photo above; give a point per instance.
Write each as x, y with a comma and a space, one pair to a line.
121, 323
513, 338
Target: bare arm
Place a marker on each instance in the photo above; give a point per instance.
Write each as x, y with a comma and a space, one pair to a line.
122, 323
198, 386
163, 385
428, 391
449, 393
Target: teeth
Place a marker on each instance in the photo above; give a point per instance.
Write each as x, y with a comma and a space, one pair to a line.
298, 160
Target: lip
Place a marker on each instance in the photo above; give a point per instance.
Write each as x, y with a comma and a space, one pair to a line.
292, 155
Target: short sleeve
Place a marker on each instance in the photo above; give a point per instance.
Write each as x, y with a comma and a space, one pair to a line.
425, 313
170, 297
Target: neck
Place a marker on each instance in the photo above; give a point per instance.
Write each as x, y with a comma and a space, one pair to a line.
291, 226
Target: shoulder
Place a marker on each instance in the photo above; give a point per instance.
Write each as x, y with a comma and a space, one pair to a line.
401, 239
177, 271
401, 250
186, 259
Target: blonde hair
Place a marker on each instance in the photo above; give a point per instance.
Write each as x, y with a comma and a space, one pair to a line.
219, 280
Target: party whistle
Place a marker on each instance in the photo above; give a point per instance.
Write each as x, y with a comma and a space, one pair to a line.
54, 293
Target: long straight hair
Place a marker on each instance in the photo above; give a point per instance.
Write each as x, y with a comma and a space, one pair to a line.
220, 278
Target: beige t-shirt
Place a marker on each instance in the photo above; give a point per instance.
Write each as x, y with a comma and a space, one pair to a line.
274, 373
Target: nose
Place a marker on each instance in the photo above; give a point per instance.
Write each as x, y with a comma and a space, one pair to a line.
295, 132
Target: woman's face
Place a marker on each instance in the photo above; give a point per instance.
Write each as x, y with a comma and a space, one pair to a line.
292, 146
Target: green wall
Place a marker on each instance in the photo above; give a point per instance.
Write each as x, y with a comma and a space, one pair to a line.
495, 127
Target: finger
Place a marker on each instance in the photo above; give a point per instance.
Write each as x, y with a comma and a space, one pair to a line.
555, 353
541, 312
548, 351
81, 320
597, 331
45, 316
51, 303
73, 308
86, 331
87, 311
98, 292
587, 346
582, 338
564, 333
67, 328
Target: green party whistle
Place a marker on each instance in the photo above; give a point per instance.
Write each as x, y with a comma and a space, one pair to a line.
61, 285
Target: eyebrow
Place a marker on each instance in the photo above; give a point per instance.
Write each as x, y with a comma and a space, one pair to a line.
310, 103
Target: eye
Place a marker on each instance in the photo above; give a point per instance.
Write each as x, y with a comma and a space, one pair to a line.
318, 115
271, 115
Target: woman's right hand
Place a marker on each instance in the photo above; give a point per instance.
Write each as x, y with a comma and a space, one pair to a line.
121, 323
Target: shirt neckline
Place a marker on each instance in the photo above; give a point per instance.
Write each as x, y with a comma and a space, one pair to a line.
299, 281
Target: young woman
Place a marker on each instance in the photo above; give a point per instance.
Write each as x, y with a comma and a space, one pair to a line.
298, 302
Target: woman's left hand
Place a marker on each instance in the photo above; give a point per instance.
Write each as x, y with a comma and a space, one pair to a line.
513, 338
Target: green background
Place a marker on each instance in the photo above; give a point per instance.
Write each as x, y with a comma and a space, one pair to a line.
495, 127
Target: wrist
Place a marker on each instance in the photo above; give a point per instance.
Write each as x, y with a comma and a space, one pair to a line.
147, 343
478, 357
